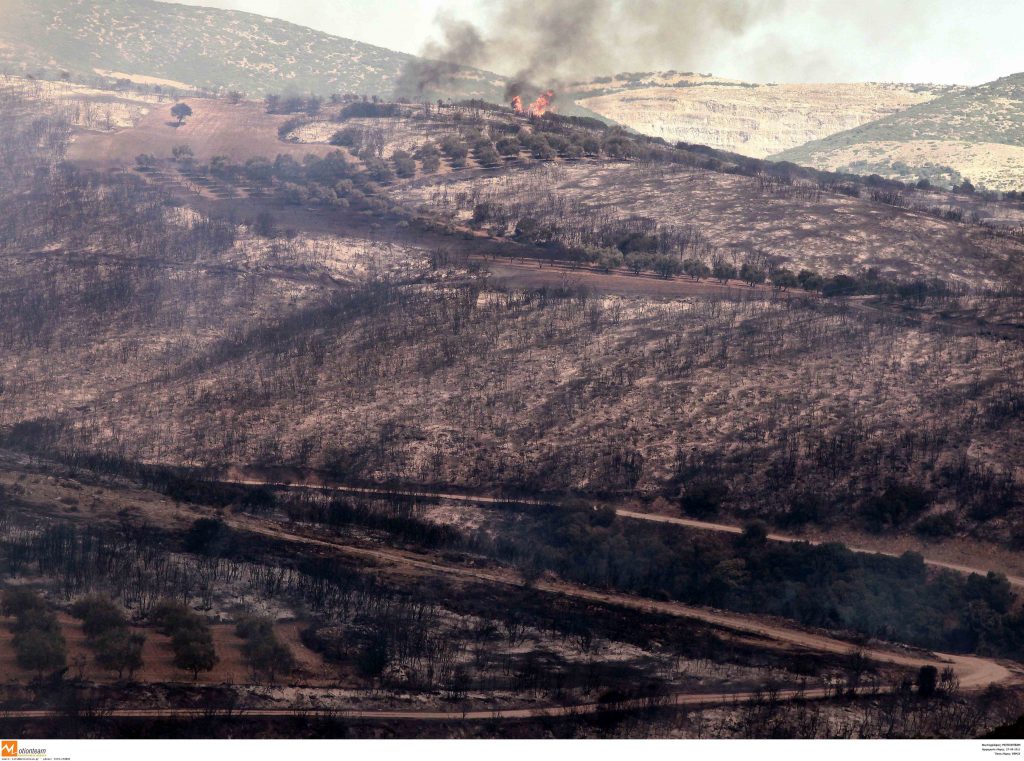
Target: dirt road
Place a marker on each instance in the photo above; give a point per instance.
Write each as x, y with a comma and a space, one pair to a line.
578, 709
529, 274
972, 671
1015, 581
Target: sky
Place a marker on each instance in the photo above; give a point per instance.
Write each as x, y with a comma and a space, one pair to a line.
941, 41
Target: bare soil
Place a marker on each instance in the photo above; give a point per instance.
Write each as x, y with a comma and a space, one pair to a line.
216, 128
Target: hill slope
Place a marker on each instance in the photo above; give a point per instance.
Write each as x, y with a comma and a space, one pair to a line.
977, 133
752, 119
210, 48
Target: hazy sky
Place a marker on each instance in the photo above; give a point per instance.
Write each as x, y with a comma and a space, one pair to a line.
950, 41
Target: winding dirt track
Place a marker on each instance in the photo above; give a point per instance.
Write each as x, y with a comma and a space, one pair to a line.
973, 672
1015, 581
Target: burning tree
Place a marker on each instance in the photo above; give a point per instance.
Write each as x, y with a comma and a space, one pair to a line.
537, 107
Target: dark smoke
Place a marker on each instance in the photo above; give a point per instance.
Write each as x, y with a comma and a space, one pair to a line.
461, 45
544, 42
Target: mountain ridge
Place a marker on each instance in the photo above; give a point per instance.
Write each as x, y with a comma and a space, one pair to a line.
211, 49
976, 133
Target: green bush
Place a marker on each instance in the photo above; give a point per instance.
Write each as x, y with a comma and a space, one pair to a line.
120, 650
38, 643
99, 615
265, 654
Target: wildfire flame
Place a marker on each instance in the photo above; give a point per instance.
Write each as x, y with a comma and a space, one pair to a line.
537, 108
543, 102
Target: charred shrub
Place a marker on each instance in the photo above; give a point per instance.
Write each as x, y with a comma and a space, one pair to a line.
895, 506
703, 498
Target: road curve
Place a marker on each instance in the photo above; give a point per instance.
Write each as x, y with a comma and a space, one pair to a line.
972, 671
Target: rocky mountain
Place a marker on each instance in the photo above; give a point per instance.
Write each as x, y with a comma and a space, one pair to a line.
176, 45
975, 133
752, 119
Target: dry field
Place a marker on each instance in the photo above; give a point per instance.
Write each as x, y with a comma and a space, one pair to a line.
974, 133
87, 109
216, 128
997, 166
754, 120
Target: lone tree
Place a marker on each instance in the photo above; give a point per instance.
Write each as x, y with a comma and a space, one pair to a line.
99, 615
723, 271
194, 651
38, 642
40, 650
181, 112
120, 650
751, 274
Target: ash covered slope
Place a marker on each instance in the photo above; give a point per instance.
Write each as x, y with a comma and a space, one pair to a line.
208, 48
977, 134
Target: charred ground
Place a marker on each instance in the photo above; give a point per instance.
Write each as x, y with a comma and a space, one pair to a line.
458, 298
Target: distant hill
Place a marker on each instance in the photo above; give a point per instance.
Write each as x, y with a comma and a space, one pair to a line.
180, 45
976, 133
752, 119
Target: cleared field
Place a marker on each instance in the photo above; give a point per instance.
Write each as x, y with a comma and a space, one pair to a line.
216, 128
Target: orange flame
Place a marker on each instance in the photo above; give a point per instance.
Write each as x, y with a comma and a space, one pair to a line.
537, 108
543, 102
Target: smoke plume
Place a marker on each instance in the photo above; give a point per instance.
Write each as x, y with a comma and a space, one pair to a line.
545, 42
461, 45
